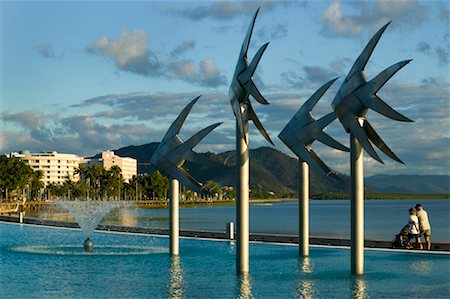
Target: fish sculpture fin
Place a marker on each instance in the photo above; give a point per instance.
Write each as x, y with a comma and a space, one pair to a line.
319, 162
360, 134
378, 142
184, 177
251, 88
312, 101
252, 115
361, 61
248, 36
178, 123
367, 93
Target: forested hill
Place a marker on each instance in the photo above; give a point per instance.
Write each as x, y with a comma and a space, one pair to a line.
272, 170
418, 184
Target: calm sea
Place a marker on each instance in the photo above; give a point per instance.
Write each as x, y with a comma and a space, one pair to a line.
328, 218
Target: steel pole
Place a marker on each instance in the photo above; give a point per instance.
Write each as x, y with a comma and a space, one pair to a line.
357, 206
303, 206
174, 226
242, 201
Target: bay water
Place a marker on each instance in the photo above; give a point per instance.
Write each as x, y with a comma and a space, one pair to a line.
328, 218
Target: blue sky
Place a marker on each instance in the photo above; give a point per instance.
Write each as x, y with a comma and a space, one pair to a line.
81, 77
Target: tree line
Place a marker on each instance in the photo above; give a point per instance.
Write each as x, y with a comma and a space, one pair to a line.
19, 180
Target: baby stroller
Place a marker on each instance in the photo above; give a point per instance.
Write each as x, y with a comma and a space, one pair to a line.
402, 240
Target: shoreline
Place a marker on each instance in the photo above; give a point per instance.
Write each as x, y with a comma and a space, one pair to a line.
36, 206
437, 247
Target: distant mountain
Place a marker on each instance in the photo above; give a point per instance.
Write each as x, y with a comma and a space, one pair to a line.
272, 170
418, 184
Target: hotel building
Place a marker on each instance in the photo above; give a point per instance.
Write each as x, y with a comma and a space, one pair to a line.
56, 167
109, 159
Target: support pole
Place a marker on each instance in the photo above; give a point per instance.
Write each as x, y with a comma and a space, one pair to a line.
230, 230
303, 206
242, 204
357, 206
174, 226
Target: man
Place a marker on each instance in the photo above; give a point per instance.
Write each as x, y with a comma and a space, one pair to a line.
424, 224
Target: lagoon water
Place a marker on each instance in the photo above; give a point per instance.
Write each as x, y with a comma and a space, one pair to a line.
328, 218
41, 262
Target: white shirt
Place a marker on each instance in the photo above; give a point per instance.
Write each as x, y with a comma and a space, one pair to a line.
413, 229
423, 219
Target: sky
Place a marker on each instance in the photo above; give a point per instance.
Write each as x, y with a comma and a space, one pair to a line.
83, 77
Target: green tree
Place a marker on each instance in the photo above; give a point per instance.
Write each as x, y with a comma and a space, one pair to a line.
35, 183
113, 182
99, 182
213, 187
14, 176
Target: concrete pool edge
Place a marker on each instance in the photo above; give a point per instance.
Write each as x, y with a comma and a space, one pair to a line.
218, 235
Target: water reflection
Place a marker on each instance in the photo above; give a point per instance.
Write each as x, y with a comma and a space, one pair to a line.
176, 278
306, 265
127, 217
421, 266
232, 249
359, 290
306, 288
245, 288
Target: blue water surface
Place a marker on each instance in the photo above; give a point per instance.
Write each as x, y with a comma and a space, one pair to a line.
40, 262
328, 218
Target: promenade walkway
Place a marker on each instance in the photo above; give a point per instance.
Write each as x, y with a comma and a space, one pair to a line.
222, 235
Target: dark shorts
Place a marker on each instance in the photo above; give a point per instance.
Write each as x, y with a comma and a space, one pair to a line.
411, 236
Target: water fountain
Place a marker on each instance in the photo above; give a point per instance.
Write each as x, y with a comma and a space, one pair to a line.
88, 214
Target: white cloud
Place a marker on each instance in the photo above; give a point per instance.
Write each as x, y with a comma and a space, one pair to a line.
130, 52
138, 118
352, 18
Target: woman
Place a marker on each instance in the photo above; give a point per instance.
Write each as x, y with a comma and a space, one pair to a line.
413, 223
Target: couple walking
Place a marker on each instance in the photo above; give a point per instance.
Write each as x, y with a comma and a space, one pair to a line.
419, 225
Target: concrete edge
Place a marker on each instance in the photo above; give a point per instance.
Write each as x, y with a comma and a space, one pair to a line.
443, 248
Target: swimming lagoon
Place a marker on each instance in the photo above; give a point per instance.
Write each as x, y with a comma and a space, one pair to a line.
41, 262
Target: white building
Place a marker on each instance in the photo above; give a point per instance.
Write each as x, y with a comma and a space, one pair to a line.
56, 167
109, 159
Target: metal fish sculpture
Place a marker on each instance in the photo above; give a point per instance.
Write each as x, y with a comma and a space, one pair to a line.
302, 130
356, 95
172, 152
242, 86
